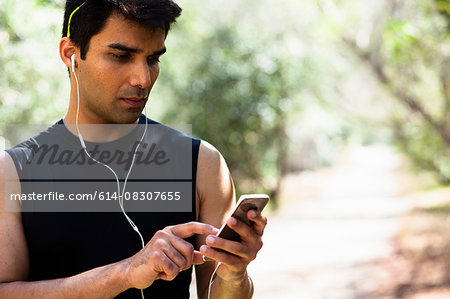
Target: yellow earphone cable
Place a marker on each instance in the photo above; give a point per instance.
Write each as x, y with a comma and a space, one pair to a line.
70, 18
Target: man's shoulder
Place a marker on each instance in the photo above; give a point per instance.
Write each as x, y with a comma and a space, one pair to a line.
7, 167
175, 131
26, 149
5, 159
211, 164
173, 139
208, 154
210, 160
37, 132
215, 188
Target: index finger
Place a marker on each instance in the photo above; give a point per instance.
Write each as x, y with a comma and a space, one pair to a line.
186, 230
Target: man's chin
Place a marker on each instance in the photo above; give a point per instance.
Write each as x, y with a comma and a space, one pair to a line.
127, 117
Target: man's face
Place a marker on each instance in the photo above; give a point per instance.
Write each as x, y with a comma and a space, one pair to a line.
119, 71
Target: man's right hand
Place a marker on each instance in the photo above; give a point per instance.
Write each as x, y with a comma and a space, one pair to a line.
166, 254
162, 258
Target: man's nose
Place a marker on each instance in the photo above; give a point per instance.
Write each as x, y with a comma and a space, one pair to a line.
140, 76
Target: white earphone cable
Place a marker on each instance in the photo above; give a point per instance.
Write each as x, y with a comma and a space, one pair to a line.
211, 280
120, 193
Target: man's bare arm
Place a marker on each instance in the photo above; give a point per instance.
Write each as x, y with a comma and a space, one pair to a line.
14, 262
102, 282
216, 196
163, 257
13, 249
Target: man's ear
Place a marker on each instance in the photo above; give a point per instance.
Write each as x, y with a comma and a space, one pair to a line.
66, 50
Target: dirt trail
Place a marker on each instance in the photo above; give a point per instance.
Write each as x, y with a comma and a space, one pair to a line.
333, 223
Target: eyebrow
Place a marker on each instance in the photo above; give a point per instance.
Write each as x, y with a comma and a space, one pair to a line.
122, 47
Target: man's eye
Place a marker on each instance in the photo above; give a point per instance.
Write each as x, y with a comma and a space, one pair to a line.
120, 56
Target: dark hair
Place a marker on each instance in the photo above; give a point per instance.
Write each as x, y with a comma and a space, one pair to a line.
91, 17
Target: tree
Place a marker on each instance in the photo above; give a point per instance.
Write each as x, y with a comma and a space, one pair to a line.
33, 82
237, 95
407, 50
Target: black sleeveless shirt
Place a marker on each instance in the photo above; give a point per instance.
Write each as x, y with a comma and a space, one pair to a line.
65, 243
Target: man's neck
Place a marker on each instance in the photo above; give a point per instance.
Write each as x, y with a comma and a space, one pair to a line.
96, 132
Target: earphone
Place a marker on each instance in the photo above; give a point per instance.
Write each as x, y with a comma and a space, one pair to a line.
120, 193
72, 58
80, 137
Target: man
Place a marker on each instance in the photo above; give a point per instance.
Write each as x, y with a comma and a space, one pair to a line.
112, 50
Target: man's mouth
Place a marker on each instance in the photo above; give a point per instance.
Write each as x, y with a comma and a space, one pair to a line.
134, 102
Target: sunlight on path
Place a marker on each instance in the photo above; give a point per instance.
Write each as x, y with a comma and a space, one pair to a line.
334, 222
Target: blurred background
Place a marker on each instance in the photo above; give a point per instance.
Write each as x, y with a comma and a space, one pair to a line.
339, 109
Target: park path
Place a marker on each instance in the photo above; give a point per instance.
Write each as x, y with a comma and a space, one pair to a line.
333, 223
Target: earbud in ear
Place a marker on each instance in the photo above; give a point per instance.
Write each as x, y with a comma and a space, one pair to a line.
72, 58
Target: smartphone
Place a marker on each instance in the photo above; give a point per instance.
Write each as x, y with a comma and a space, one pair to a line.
245, 203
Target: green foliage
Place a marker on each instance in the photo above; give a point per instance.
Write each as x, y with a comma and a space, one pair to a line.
32, 77
401, 38
444, 8
237, 96
424, 146
405, 45
419, 68
238, 89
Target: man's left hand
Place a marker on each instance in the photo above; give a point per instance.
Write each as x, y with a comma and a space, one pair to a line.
235, 256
